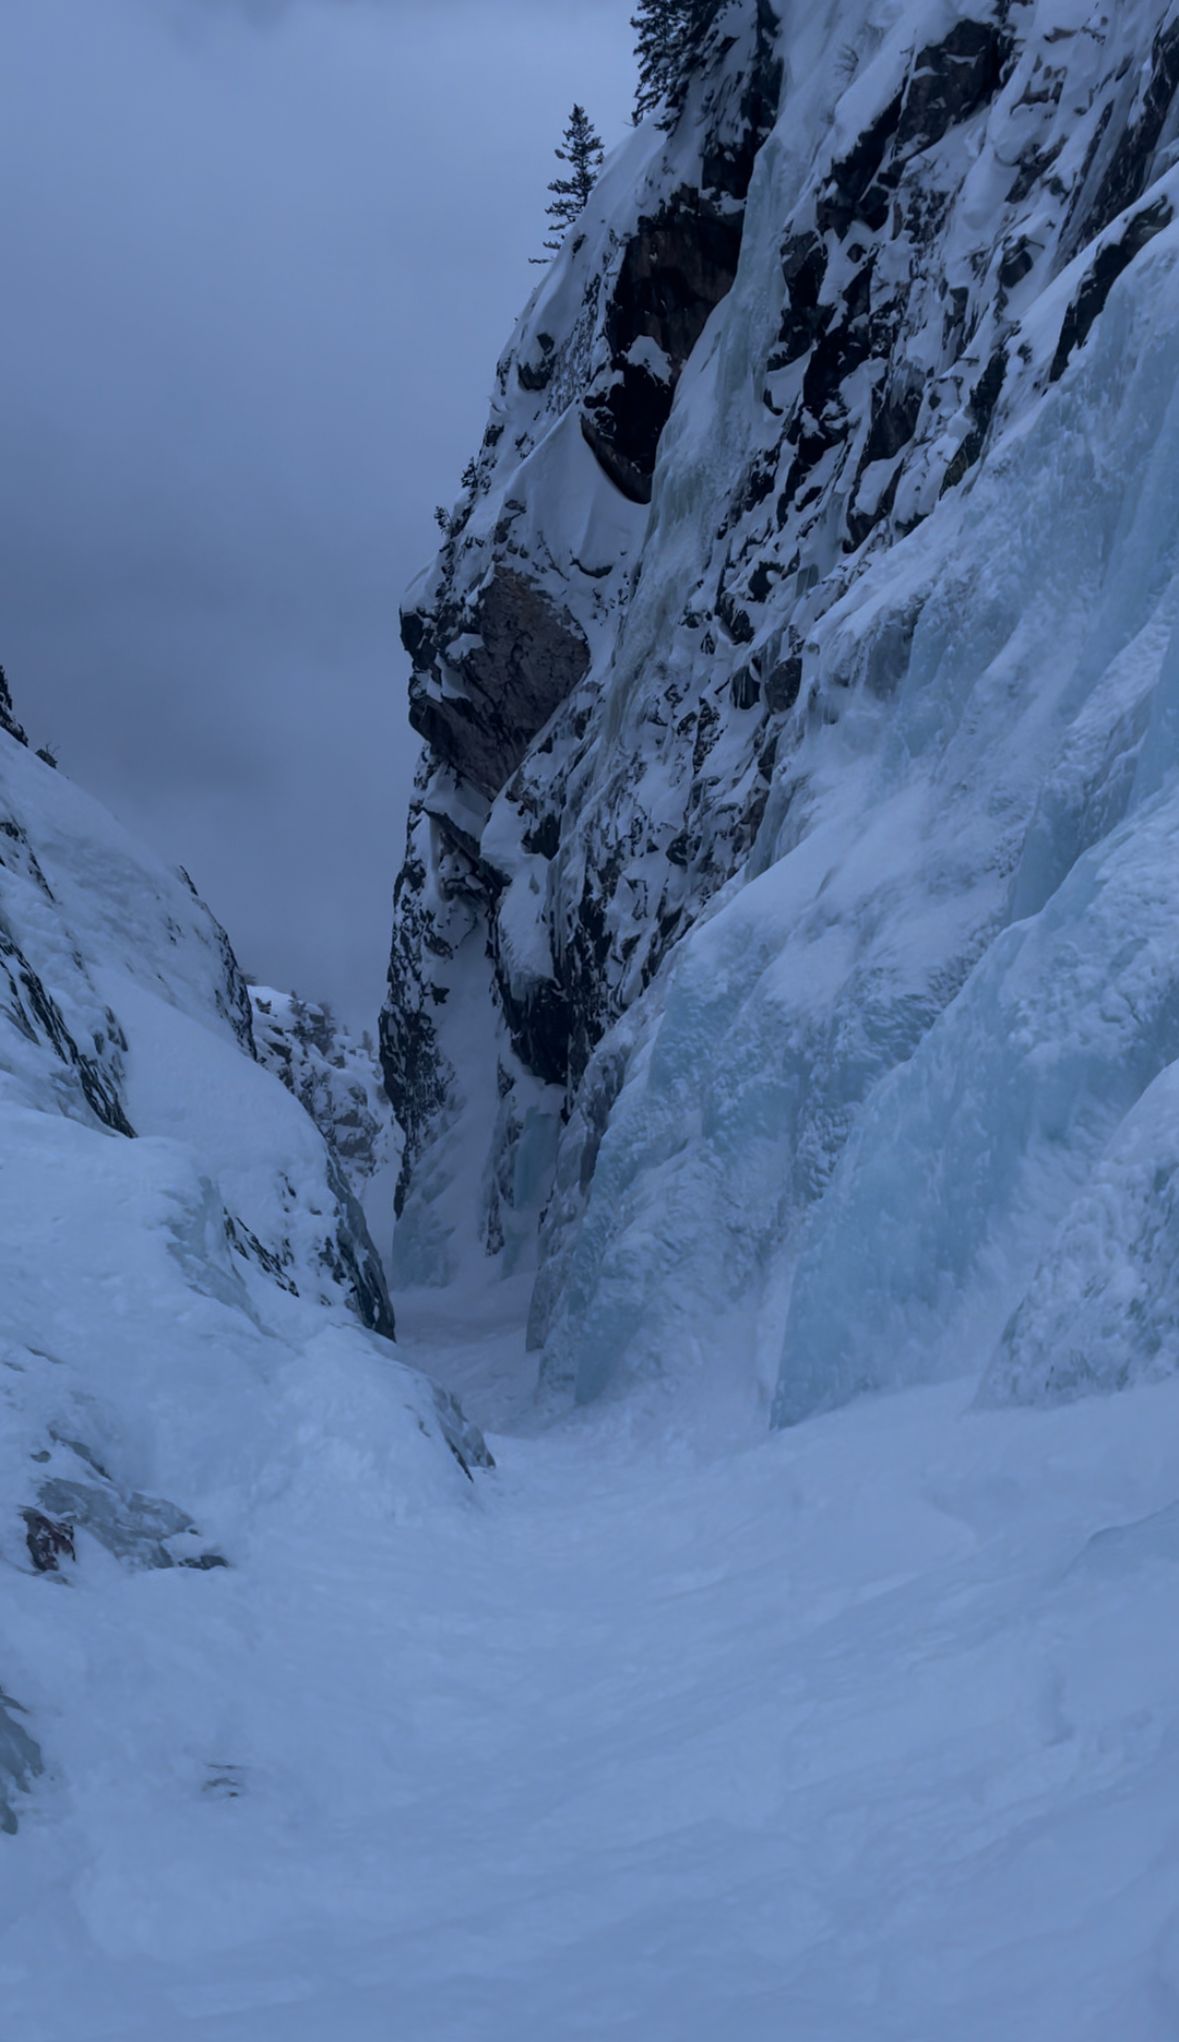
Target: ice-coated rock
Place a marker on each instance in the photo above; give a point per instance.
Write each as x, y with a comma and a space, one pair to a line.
336, 1078
743, 992
333, 1074
507, 635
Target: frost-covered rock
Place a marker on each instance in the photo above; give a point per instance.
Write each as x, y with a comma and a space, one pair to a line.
508, 635
190, 1380
333, 1074
811, 951
337, 1079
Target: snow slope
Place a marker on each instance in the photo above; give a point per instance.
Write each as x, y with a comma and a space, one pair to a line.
865, 1734
193, 1399
786, 951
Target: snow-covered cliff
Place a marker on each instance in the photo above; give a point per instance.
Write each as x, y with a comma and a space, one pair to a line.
336, 1077
785, 948
192, 1376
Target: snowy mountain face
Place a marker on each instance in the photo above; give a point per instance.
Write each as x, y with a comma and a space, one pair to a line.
334, 1075
785, 990
785, 952
194, 1393
336, 1078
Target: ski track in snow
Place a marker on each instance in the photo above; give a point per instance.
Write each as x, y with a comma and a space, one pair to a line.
866, 1731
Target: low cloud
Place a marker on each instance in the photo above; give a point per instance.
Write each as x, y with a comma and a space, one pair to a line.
256, 284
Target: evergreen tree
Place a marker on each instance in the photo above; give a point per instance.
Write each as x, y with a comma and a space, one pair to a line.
659, 27
669, 35
582, 151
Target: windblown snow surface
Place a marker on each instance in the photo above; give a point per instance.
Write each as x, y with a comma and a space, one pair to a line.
805, 1670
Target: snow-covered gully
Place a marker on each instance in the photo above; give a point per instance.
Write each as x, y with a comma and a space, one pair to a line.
783, 1032
868, 1732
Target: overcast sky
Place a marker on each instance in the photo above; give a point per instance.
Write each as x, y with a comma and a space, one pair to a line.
258, 259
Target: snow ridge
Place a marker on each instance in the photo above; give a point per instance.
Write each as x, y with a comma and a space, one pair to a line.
191, 1372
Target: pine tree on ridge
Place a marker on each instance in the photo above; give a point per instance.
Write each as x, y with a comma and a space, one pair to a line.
581, 149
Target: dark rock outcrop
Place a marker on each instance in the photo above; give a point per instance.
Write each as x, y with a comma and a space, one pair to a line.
49, 1540
1111, 260
1123, 179
27, 1003
521, 656
142, 1531
676, 269
351, 1256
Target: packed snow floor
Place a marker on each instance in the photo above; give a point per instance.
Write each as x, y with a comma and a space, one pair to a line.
866, 1731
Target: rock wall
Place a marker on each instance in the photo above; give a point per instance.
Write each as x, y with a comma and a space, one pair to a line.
752, 397
509, 634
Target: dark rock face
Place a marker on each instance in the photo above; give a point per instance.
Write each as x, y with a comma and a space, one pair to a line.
675, 272
1124, 178
677, 267
1108, 265
525, 657
416, 1073
49, 1541
415, 1079
351, 1257
873, 197
540, 1026
981, 406
951, 80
